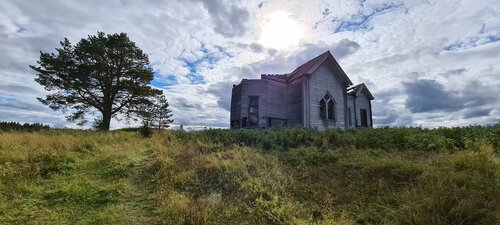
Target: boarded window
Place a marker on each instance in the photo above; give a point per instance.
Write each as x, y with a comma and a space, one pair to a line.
327, 108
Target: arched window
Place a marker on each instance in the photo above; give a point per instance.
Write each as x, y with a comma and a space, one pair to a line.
322, 109
327, 108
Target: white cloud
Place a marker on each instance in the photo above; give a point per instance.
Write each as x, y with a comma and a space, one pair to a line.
215, 43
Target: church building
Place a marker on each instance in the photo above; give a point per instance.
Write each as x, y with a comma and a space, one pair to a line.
318, 94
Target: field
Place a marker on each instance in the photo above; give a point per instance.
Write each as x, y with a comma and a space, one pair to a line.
288, 176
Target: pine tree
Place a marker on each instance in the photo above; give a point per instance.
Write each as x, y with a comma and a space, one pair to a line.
157, 114
102, 73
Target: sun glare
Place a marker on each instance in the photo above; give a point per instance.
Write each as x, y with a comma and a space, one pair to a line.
281, 31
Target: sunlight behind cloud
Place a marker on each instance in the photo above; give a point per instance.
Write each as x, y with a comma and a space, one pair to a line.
281, 31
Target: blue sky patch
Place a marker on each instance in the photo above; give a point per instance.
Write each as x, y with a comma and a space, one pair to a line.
208, 58
21, 29
481, 38
361, 20
163, 82
7, 100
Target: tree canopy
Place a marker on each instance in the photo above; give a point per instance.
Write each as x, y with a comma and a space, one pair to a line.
103, 73
158, 114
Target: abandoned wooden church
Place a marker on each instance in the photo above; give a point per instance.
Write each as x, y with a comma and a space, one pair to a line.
318, 94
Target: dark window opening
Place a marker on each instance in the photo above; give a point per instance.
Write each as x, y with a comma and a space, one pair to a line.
253, 111
327, 108
331, 115
244, 122
322, 109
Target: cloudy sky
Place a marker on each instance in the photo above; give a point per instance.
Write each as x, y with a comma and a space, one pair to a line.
428, 63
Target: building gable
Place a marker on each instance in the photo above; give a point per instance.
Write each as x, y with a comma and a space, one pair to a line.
312, 65
324, 81
295, 99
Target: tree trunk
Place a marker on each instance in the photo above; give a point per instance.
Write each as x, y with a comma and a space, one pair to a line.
106, 121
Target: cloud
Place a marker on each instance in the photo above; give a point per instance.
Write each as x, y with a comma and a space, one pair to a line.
429, 95
186, 104
344, 48
222, 91
286, 62
229, 20
387, 119
477, 113
407, 52
13, 88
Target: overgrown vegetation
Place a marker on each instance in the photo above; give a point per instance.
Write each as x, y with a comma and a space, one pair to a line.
287, 176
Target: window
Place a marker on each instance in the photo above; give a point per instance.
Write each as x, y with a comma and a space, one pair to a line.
327, 108
244, 122
253, 111
322, 109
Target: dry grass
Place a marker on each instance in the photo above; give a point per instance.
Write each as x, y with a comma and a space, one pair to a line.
224, 177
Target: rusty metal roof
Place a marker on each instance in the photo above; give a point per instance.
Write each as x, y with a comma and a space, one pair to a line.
308, 68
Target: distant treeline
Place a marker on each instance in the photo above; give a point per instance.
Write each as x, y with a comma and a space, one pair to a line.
15, 126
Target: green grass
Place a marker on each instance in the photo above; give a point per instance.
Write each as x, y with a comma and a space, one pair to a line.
288, 176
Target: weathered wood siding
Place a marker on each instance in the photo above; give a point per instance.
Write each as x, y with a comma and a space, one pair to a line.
350, 105
294, 106
236, 103
275, 100
254, 88
294, 101
362, 102
324, 80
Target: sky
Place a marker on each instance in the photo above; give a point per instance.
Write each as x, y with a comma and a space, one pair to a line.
427, 63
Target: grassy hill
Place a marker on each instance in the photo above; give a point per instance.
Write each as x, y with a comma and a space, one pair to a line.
290, 176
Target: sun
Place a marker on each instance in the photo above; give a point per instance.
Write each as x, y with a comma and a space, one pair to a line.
281, 31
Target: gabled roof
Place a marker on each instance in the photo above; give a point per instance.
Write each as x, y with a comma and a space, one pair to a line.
309, 67
356, 90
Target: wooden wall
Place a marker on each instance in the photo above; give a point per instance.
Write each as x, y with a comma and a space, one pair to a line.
236, 102
324, 80
362, 102
350, 104
298, 101
275, 100
294, 105
253, 88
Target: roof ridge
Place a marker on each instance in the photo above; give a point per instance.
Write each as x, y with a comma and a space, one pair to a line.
306, 67
314, 59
